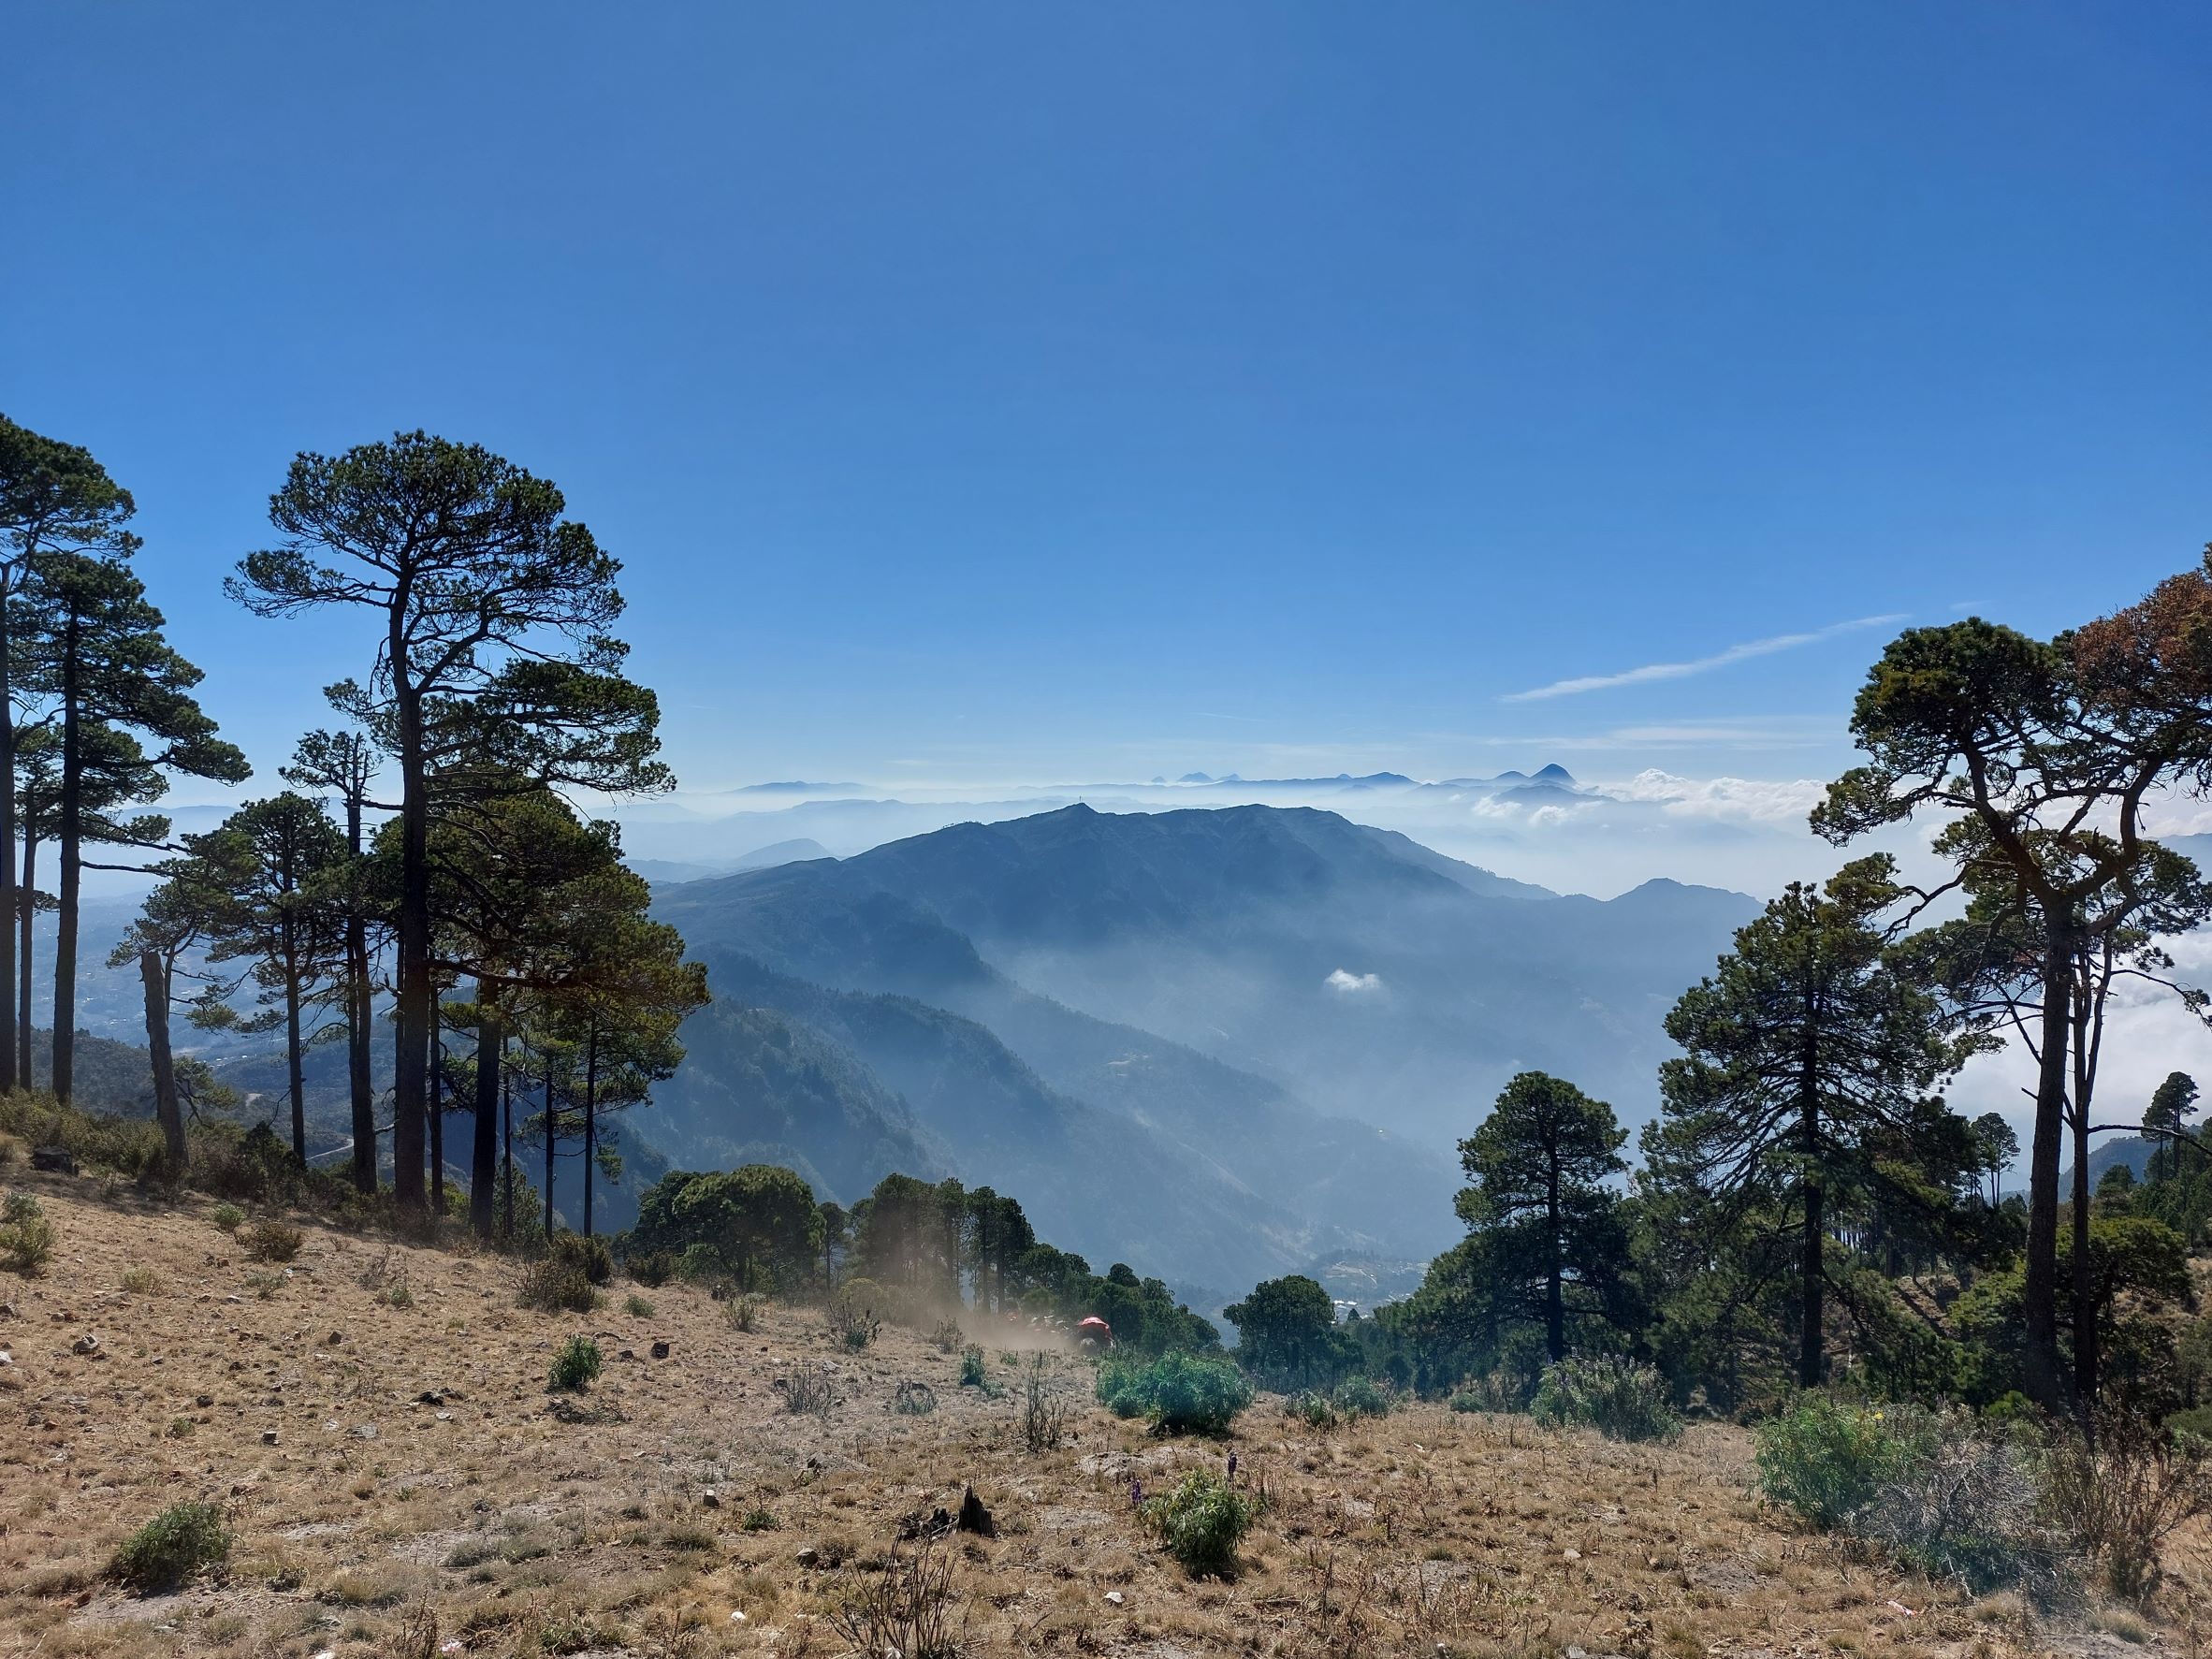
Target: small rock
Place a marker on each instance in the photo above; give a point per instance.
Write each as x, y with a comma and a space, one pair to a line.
1572, 1554
269, 1436
365, 1432
736, 1616
711, 1498
87, 1344
661, 1350
1113, 1598
203, 1400
809, 1556
627, 1354
337, 1337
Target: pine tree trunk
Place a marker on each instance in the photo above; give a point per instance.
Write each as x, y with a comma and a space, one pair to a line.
27, 898
293, 1071
548, 1152
15, 1055
359, 1013
1810, 1266
1554, 1296
484, 1166
412, 1023
72, 803
507, 1140
155, 979
2040, 1287
436, 1106
2085, 1309
591, 1116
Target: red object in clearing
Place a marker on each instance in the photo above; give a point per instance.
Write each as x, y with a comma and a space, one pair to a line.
1095, 1327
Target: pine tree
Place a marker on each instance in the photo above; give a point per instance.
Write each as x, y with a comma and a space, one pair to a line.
55, 501
1540, 1165
1806, 1051
493, 613
99, 651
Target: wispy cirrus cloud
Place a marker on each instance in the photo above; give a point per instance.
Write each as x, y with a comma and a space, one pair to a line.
1733, 654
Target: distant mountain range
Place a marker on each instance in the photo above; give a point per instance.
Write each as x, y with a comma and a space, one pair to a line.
1216, 1044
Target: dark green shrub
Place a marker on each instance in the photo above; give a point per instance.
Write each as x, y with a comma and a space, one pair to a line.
270, 1240
1619, 1398
972, 1374
651, 1268
1363, 1396
1202, 1522
1312, 1408
227, 1218
553, 1286
172, 1546
588, 1257
1181, 1393
576, 1367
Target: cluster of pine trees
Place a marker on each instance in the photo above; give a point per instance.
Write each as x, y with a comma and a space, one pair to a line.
426, 869
1806, 1194
917, 1251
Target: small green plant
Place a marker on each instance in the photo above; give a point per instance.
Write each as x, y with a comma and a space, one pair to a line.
1202, 1522
139, 1280
743, 1313
172, 1546
651, 1268
1181, 1393
1312, 1408
947, 1336
972, 1368
270, 1240
576, 1367
637, 1306
264, 1286
26, 1236
397, 1294
758, 1520
227, 1218
1619, 1398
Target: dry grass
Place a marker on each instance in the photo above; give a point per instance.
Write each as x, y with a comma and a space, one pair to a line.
420, 1483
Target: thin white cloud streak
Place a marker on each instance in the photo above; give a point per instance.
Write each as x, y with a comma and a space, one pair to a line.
1733, 654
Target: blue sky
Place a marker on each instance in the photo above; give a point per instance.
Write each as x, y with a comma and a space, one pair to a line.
1043, 392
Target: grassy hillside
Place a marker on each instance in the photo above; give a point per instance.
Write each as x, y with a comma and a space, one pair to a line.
395, 1475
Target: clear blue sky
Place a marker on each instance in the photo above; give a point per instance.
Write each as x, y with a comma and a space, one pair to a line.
1085, 391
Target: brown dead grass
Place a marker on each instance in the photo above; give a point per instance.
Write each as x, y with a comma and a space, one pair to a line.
384, 1522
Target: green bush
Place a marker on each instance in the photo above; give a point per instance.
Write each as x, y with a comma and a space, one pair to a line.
172, 1546
26, 1236
270, 1240
972, 1368
1619, 1398
637, 1306
576, 1367
651, 1268
553, 1286
1202, 1522
1312, 1407
588, 1257
1945, 1494
227, 1218
1363, 1396
1826, 1462
1181, 1393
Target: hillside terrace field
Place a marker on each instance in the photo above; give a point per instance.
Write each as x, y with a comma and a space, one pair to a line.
399, 1480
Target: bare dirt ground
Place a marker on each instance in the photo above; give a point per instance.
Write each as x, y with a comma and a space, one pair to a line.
399, 1480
